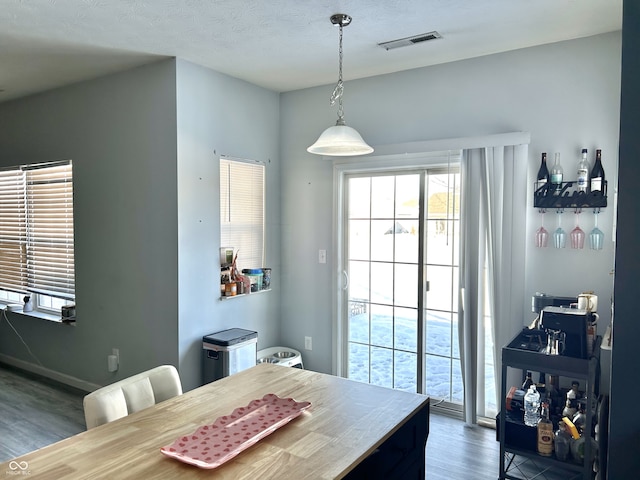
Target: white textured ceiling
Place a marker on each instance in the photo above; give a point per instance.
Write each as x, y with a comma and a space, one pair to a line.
278, 44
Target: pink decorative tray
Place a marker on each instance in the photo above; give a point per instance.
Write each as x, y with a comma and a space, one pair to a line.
212, 445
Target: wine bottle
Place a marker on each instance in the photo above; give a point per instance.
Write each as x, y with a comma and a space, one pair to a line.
583, 173
543, 173
597, 174
556, 174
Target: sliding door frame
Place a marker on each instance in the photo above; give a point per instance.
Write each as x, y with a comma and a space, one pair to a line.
417, 163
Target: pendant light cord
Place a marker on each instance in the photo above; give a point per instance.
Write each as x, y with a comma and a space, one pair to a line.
339, 90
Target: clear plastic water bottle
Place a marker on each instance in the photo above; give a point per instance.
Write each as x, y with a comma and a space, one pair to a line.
532, 407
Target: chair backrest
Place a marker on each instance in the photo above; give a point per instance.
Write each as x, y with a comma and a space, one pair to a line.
131, 395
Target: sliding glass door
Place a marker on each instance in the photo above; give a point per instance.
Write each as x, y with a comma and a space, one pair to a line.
401, 243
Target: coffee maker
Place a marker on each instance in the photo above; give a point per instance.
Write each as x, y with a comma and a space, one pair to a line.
541, 300
573, 324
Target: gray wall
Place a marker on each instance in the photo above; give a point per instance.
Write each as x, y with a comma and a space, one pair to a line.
565, 94
119, 131
217, 113
147, 216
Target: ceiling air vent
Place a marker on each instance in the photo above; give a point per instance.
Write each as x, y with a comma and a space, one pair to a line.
405, 42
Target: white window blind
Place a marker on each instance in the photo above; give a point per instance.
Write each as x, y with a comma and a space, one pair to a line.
50, 259
13, 230
242, 210
36, 230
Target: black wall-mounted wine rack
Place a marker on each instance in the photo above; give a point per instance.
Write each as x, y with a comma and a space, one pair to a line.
567, 197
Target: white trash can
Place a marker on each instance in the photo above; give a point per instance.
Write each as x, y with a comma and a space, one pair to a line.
227, 352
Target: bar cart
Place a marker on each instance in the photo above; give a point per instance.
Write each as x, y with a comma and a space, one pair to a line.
519, 459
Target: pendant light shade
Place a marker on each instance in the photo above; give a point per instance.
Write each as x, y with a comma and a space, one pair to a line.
340, 140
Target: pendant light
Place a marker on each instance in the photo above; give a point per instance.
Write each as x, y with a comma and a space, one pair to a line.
340, 140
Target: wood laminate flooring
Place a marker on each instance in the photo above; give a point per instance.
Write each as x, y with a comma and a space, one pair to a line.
35, 412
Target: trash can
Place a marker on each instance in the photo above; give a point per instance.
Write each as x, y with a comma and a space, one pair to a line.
227, 352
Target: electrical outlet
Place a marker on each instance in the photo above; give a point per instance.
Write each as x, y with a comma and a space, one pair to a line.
307, 343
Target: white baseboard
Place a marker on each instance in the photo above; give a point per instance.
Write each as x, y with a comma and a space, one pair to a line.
48, 373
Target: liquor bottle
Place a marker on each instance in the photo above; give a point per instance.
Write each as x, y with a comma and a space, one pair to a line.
583, 173
569, 410
543, 173
542, 381
545, 433
553, 394
597, 174
556, 174
527, 382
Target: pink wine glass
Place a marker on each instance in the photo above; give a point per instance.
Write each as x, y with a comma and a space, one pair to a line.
542, 235
577, 236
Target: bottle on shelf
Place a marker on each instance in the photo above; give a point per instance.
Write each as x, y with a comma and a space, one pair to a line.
580, 419
545, 391
531, 406
552, 393
574, 393
542, 381
597, 174
562, 442
556, 174
583, 173
527, 382
545, 432
578, 449
543, 172
569, 410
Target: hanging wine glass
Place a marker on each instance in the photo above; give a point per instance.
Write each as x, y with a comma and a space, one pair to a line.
542, 235
559, 235
577, 234
596, 237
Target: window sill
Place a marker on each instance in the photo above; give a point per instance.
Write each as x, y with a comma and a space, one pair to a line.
224, 297
49, 317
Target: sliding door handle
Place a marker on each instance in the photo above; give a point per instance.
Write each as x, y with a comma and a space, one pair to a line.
345, 283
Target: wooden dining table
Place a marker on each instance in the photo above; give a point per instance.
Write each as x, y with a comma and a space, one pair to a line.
350, 430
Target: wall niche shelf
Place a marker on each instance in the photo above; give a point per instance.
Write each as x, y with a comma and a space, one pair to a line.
224, 297
567, 197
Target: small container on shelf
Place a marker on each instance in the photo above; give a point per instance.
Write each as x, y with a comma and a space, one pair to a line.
255, 278
230, 289
266, 278
226, 256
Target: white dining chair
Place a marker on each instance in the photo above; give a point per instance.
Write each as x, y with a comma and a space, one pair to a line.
131, 395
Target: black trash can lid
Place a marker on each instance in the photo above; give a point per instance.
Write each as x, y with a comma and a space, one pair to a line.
229, 337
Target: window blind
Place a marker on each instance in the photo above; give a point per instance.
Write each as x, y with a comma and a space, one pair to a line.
242, 210
50, 246
13, 230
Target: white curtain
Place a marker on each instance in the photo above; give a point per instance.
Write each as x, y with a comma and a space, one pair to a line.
492, 263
